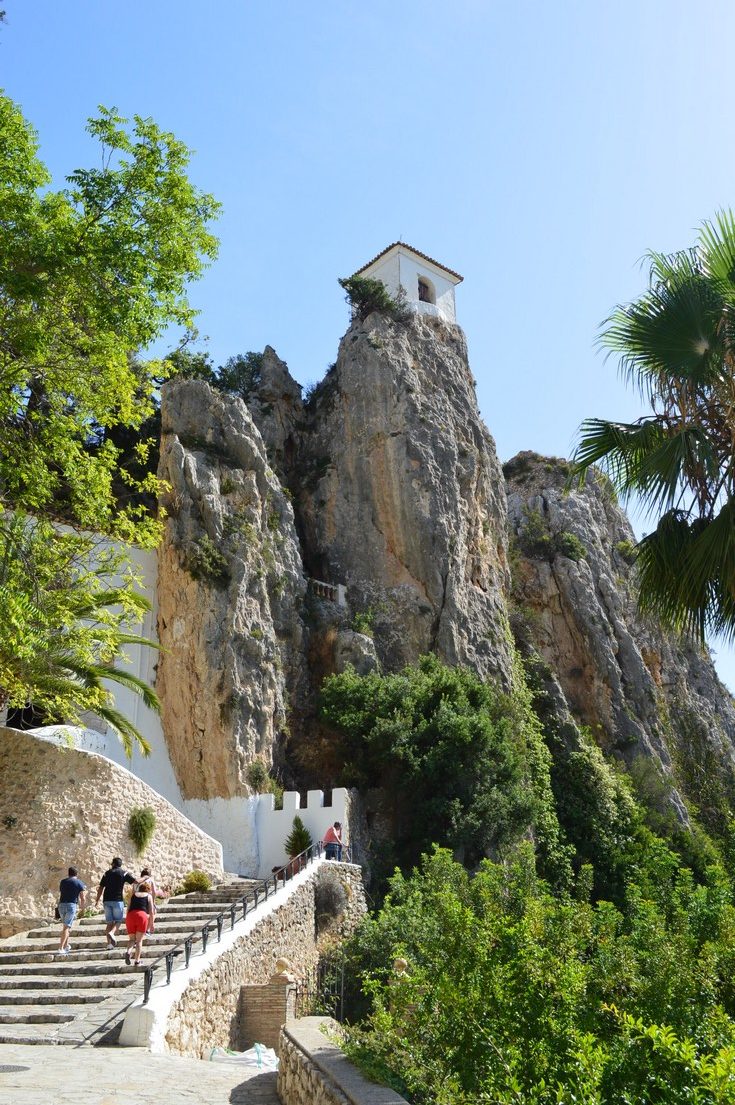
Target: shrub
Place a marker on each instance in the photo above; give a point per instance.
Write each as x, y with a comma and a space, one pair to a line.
470, 756
141, 826
536, 540
363, 622
330, 898
206, 562
626, 549
196, 881
366, 295
298, 840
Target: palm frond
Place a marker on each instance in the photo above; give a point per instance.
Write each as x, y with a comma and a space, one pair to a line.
129, 735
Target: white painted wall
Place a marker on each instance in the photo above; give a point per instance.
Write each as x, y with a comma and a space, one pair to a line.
232, 821
273, 826
402, 268
156, 769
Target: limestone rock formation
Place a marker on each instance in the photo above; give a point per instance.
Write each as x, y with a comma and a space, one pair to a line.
401, 497
641, 691
277, 410
230, 591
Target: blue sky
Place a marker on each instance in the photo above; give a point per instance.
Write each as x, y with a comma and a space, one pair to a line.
539, 149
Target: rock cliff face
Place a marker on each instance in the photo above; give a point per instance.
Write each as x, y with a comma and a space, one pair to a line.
400, 494
641, 691
230, 593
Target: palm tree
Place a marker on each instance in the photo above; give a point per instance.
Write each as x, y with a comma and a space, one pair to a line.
64, 627
676, 344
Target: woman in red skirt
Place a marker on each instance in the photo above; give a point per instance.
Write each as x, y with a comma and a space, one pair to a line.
139, 913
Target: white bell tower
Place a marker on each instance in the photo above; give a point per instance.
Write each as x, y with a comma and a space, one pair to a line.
428, 286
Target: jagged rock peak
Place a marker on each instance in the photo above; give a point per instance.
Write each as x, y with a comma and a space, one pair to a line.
401, 496
230, 588
642, 691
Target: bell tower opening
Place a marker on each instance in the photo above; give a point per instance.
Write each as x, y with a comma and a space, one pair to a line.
427, 292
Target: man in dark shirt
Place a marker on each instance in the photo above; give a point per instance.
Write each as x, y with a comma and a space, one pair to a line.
71, 895
110, 890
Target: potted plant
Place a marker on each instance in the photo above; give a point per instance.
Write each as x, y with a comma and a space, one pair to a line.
297, 841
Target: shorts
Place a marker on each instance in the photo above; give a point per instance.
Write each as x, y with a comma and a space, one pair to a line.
114, 912
136, 921
67, 913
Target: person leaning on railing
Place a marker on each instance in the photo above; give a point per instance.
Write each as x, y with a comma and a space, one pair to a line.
332, 841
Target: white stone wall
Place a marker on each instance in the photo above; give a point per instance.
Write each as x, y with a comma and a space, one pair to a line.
62, 807
273, 826
402, 268
201, 1007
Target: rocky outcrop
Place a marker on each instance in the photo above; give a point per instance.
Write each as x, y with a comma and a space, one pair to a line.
641, 691
401, 495
230, 589
277, 410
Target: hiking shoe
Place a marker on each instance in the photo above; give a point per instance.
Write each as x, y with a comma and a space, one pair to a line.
127, 958
111, 941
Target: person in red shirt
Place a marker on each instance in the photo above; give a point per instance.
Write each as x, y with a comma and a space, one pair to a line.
333, 841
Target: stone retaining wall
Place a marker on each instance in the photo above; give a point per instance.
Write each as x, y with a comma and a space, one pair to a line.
210, 1011
62, 807
312, 1070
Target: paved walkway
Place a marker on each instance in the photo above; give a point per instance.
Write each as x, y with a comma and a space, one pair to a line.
37, 1074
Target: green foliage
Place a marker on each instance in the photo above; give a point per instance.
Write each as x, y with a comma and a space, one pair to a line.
515, 995
626, 549
141, 827
363, 621
196, 881
298, 840
88, 276
65, 624
259, 778
204, 561
537, 540
471, 758
676, 345
366, 295
240, 375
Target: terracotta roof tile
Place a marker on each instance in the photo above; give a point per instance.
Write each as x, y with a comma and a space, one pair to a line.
412, 250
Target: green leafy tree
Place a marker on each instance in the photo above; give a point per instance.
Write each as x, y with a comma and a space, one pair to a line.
470, 757
676, 344
89, 275
517, 996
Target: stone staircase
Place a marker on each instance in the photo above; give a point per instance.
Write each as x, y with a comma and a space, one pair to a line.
82, 997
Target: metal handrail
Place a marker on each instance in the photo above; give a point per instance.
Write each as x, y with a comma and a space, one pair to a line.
280, 876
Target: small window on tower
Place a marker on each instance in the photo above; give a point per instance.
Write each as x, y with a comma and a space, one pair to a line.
426, 291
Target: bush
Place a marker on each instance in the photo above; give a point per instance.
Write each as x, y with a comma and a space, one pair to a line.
196, 881
298, 840
141, 826
364, 622
366, 295
207, 563
471, 758
330, 898
536, 540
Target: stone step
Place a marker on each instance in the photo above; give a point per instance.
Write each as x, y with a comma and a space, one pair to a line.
31, 1014
93, 943
40, 956
41, 998
58, 967
17, 981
